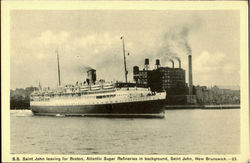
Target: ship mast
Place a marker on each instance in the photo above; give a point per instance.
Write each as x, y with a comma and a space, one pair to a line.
125, 67
58, 68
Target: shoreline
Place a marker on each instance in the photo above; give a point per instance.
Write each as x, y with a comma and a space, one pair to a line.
227, 106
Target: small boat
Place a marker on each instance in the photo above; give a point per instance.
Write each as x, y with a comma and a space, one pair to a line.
108, 86
95, 87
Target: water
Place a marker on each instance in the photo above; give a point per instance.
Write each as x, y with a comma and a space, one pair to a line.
181, 132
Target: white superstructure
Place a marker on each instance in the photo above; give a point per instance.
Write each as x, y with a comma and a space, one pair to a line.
94, 97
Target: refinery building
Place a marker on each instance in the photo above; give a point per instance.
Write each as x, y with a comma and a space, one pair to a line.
169, 79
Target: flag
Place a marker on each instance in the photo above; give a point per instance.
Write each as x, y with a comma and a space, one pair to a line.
128, 53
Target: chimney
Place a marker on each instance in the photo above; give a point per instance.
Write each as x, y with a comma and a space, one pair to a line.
190, 76
172, 62
146, 65
91, 76
136, 73
135, 70
157, 63
179, 60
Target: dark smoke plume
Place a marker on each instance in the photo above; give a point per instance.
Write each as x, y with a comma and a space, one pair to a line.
176, 40
179, 60
83, 68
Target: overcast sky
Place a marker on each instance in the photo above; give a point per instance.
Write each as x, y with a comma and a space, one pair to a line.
92, 38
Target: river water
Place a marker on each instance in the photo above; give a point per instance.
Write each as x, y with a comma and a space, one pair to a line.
193, 131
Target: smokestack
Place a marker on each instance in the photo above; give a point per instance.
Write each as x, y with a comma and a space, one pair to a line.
136, 70
157, 63
146, 65
136, 73
179, 60
190, 76
172, 62
91, 76
58, 69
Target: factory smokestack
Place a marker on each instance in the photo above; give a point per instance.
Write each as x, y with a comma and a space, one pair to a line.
146, 65
172, 62
157, 63
190, 76
179, 60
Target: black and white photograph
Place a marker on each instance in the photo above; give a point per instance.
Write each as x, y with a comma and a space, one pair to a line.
126, 83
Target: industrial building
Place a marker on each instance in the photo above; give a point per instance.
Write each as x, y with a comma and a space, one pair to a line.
169, 79
161, 79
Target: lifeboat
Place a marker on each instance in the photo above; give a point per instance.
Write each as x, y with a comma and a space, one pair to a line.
84, 88
96, 87
108, 86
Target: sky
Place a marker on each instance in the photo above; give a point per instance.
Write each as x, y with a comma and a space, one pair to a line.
92, 38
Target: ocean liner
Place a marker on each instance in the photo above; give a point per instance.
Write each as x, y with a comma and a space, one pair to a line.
98, 98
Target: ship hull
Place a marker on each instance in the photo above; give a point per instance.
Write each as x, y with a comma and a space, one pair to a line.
153, 108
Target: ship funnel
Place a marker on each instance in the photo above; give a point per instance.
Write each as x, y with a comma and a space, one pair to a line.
135, 70
157, 63
136, 73
91, 76
146, 65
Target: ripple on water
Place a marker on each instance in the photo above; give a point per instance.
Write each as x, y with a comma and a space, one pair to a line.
75, 138
89, 149
135, 139
181, 132
21, 113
